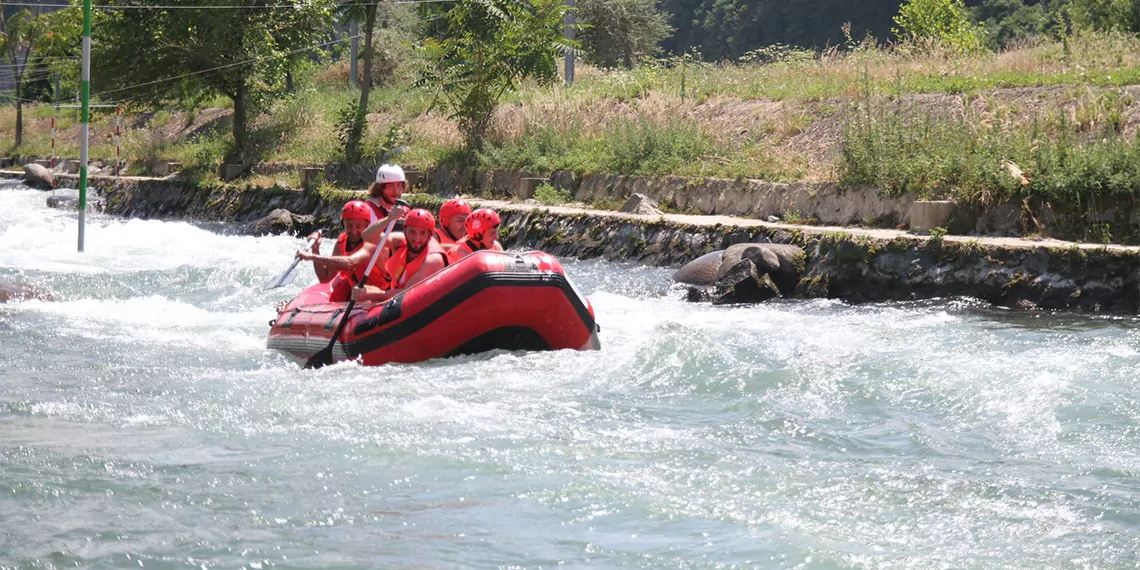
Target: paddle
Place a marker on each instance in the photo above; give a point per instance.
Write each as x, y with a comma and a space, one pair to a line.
325, 356
287, 277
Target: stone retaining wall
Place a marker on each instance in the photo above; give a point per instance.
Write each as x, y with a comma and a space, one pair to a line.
856, 267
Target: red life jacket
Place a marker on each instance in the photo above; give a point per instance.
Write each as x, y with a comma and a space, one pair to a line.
339, 250
400, 270
444, 237
379, 210
465, 247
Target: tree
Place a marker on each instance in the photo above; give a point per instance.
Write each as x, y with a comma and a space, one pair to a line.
28, 39
1106, 15
484, 48
727, 29
354, 121
621, 31
946, 21
153, 56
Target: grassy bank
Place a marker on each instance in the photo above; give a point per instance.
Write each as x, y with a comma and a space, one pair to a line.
903, 118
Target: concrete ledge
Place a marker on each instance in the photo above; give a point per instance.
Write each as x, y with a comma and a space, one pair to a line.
527, 186
926, 215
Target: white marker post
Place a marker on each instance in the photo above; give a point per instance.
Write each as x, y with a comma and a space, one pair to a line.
85, 112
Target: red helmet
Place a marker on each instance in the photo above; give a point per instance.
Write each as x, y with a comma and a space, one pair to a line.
480, 220
451, 208
420, 218
356, 210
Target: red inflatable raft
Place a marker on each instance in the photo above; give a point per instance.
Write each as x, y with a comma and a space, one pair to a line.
488, 300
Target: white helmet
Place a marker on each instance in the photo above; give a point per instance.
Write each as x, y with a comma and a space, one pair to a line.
390, 173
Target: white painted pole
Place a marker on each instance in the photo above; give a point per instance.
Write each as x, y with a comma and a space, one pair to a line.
86, 117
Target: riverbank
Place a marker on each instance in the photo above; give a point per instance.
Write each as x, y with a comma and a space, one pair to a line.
852, 264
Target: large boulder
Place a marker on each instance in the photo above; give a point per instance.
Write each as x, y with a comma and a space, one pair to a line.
280, 221
71, 202
783, 263
640, 204
19, 291
38, 177
743, 283
744, 273
700, 271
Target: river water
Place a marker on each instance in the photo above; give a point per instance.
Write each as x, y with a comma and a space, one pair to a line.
144, 424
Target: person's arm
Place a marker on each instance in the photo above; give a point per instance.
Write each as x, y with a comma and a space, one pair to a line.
498, 246
339, 262
370, 294
324, 273
376, 229
431, 265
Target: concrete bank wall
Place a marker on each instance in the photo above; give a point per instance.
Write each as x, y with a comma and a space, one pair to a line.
855, 265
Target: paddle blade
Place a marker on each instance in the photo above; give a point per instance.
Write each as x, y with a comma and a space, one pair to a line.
320, 359
283, 279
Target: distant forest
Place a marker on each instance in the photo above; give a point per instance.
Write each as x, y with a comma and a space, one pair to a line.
727, 29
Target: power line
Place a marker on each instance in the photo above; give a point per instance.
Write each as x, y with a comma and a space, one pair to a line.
230, 65
294, 5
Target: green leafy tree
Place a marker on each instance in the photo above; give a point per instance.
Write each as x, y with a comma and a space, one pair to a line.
728, 29
353, 121
1106, 15
1007, 20
947, 21
480, 49
187, 55
29, 40
621, 32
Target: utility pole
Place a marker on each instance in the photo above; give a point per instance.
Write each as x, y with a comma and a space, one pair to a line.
353, 53
86, 117
570, 36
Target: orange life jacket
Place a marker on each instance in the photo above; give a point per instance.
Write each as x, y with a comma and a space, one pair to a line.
444, 237
465, 247
340, 249
400, 270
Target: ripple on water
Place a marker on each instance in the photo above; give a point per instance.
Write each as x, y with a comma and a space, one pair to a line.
143, 423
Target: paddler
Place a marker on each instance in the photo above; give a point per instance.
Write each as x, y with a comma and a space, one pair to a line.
415, 256
452, 222
355, 217
389, 186
482, 234
352, 264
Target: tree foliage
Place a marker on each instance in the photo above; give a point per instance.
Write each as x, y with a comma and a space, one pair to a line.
946, 21
727, 29
32, 41
1106, 15
621, 32
153, 56
478, 50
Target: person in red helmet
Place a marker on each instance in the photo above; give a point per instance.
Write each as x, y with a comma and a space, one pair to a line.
452, 222
352, 265
354, 216
415, 257
482, 233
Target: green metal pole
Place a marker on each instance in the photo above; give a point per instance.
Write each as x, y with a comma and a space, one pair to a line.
84, 110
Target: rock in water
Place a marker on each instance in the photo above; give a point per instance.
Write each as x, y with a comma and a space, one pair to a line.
280, 221
38, 177
18, 291
71, 202
742, 283
700, 271
640, 204
783, 263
